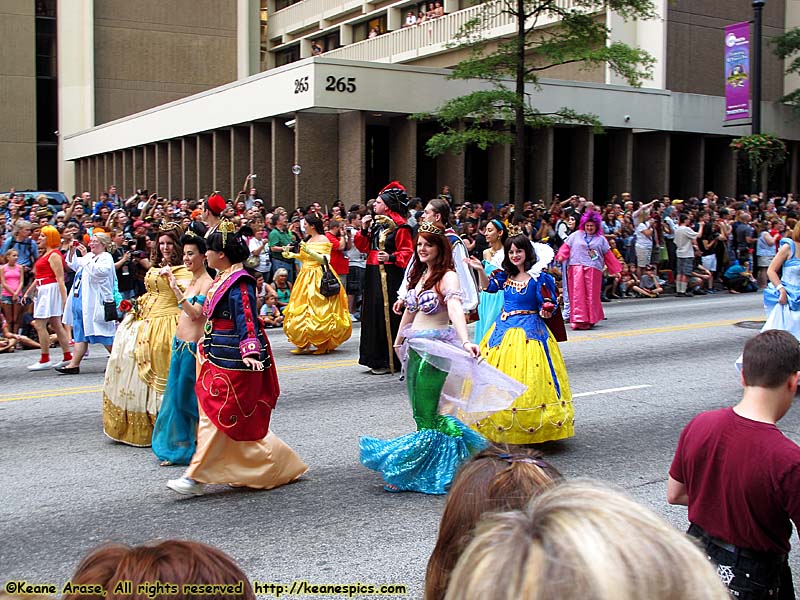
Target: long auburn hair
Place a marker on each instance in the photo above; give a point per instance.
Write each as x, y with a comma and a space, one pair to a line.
174, 231
443, 262
170, 561
494, 480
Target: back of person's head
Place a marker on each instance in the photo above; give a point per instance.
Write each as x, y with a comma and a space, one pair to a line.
770, 358
175, 562
228, 241
494, 480
582, 540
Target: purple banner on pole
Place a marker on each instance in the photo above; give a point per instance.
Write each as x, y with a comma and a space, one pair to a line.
737, 71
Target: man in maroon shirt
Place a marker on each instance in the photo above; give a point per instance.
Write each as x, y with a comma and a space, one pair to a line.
740, 476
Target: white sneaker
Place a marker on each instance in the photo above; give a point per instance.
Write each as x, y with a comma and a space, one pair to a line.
63, 363
380, 371
185, 486
42, 366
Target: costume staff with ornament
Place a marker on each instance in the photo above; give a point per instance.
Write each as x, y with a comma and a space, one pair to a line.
443, 373
387, 241
521, 345
237, 387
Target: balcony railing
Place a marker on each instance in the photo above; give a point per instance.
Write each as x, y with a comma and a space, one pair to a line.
432, 37
308, 13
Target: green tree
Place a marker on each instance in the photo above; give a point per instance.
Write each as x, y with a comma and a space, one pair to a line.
499, 114
788, 46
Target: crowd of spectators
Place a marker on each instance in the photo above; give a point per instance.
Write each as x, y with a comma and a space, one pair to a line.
695, 246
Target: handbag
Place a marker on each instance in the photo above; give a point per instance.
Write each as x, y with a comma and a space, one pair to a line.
329, 285
110, 310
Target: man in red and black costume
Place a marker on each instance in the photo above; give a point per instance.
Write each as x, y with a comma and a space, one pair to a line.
398, 248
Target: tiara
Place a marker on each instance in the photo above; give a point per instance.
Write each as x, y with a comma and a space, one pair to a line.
226, 227
171, 226
431, 228
514, 230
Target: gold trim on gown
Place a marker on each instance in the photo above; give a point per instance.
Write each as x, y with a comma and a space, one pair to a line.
265, 464
311, 319
137, 370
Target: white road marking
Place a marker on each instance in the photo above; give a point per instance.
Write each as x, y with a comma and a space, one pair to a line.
611, 390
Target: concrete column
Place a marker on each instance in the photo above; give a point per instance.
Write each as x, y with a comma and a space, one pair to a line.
352, 160
75, 40
116, 172
687, 165
175, 168
137, 173
240, 157
402, 154
79, 178
283, 181
248, 38
261, 159
394, 19
204, 166
126, 185
451, 6
221, 162
582, 167
162, 169
345, 34
188, 181
450, 171
106, 165
150, 179
96, 176
651, 168
500, 174
620, 161
540, 165
316, 149
305, 48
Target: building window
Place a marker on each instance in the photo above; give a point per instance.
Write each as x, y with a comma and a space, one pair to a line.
262, 13
289, 55
370, 29
46, 100
281, 4
46, 8
329, 42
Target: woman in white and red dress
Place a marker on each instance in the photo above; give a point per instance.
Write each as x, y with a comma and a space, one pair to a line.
51, 296
237, 387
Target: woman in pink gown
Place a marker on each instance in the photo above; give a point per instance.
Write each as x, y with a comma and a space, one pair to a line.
587, 252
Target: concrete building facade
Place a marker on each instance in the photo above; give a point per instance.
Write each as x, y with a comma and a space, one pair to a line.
191, 96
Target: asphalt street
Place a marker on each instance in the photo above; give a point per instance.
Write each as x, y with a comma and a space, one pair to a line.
637, 379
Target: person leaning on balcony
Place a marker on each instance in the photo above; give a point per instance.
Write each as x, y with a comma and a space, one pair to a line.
421, 17
411, 19
316, 49
373, 33
438, 9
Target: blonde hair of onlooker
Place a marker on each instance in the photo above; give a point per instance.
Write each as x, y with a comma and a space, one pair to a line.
582, 540
496, 479
795, 231
169, 562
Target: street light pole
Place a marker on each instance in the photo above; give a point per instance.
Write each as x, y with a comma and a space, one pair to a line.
758, 7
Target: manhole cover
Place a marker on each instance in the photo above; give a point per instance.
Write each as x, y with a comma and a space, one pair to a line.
750, 324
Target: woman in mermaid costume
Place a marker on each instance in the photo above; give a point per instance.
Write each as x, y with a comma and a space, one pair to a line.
443, 374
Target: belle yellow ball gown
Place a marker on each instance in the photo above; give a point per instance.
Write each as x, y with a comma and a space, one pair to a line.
138, 368
311, 319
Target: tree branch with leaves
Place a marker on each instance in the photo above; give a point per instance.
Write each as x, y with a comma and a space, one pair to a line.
548, 34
